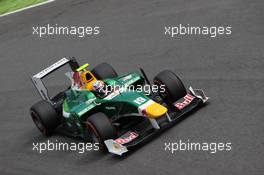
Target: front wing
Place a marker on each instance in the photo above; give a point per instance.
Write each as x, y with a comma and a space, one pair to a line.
145, 131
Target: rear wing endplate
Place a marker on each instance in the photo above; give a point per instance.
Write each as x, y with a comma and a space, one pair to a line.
37, 78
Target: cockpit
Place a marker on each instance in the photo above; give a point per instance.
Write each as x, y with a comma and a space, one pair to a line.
82, 79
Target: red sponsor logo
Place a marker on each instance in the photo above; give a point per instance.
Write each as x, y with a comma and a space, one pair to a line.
187, 100
131, 137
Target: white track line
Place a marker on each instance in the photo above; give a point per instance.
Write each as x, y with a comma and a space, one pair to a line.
29, 7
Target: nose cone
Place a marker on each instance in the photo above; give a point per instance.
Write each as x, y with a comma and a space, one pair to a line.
155, 110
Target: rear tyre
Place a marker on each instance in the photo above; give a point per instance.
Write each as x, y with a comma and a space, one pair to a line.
101, 129
174, 88
45, 117
104, 71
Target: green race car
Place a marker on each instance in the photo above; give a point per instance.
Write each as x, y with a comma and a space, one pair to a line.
126, 111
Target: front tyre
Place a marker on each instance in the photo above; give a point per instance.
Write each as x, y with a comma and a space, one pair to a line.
101, 129
173, 86
45, 117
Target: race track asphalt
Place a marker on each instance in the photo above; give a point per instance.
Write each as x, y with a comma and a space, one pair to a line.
229, 68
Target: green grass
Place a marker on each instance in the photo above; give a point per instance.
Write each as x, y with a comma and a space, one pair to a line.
7, 6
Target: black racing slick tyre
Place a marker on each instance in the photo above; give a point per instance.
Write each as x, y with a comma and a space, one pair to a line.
101, 129
104, 71
173, 86
45, 117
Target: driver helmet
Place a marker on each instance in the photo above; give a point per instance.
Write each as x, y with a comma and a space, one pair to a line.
98, 86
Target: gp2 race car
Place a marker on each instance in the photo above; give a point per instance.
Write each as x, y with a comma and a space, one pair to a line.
123, 117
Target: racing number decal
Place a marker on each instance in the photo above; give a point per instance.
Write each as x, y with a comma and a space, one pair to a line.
140, 100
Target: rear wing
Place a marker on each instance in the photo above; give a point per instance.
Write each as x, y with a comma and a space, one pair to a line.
37, 78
